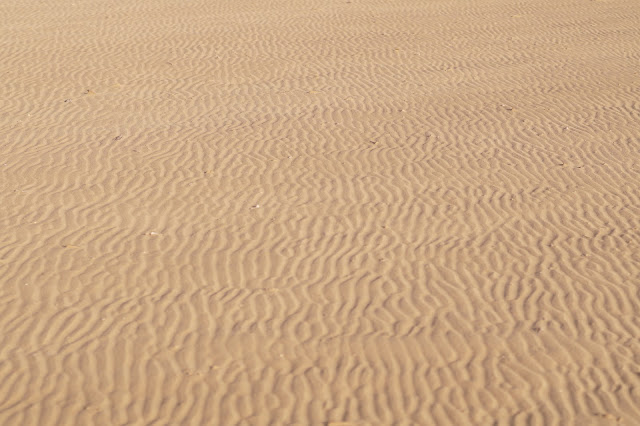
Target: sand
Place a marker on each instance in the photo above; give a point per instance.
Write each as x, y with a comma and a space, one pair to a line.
312, 212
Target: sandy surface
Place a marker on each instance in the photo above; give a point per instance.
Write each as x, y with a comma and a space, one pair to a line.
306, 212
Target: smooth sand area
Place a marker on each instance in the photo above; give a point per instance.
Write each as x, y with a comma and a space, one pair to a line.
414, 212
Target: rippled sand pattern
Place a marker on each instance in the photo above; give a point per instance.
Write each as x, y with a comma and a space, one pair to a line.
310, 212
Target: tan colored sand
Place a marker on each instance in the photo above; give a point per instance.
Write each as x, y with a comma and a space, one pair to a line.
218, 212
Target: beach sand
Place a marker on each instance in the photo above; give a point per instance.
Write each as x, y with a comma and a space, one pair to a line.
319, 212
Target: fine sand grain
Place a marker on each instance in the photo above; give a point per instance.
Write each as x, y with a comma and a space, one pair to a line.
365, 212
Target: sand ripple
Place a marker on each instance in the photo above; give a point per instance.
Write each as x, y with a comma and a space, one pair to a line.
288, 212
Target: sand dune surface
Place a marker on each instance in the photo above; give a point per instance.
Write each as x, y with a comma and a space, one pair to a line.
342, 212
